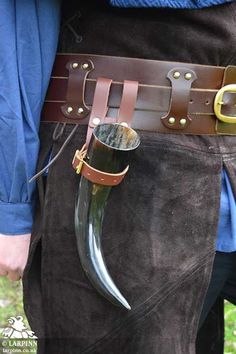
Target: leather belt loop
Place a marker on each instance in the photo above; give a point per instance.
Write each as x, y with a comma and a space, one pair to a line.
229, 75
100, 105
75, 107
181, 79
128, 101
229, 98
228, 103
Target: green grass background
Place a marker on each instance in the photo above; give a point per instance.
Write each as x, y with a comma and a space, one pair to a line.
11, 305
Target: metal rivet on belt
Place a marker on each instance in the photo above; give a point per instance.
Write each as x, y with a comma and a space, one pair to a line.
80, 110
171, 120
75, 65
69, 109
85, 66
96, 121
176, 74
183, 121
188, 76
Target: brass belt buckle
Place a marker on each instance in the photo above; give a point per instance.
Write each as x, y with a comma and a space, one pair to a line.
218, 102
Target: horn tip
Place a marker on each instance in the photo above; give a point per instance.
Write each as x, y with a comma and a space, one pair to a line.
126, 305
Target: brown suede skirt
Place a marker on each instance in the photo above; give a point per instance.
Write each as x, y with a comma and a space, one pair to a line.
161, 222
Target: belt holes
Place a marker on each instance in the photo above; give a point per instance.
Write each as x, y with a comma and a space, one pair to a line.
191, 101
207, 102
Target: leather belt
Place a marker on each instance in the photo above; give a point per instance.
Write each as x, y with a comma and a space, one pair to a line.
172, 97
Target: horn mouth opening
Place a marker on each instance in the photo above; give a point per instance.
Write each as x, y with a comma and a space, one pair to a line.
117, 136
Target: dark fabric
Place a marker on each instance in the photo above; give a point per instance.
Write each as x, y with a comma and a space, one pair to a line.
222, 282
210, 338
92, 26
160, 226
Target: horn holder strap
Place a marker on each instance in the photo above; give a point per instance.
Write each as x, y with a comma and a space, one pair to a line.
94, 175
98, 116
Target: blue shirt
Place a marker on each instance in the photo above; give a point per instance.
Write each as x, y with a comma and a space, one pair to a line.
188, 4
226, 240
29, 31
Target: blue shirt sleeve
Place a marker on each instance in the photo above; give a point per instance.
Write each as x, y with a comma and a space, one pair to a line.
181, 4
29, 32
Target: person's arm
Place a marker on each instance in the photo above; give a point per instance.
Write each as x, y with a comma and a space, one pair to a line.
29, 33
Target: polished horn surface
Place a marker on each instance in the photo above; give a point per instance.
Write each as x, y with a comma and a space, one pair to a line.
107, 149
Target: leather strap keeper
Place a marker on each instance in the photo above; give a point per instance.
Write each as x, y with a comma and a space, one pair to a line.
162, 86
94, 175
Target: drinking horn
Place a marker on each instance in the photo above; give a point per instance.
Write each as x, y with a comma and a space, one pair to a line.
107, 151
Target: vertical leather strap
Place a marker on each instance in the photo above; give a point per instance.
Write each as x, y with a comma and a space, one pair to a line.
100, 104
99, 108
75, 107
181, 80
128, 101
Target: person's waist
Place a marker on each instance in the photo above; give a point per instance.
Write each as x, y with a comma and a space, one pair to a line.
172, 97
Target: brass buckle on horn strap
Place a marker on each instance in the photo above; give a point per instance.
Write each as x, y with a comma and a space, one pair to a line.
79, 155
218, 102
